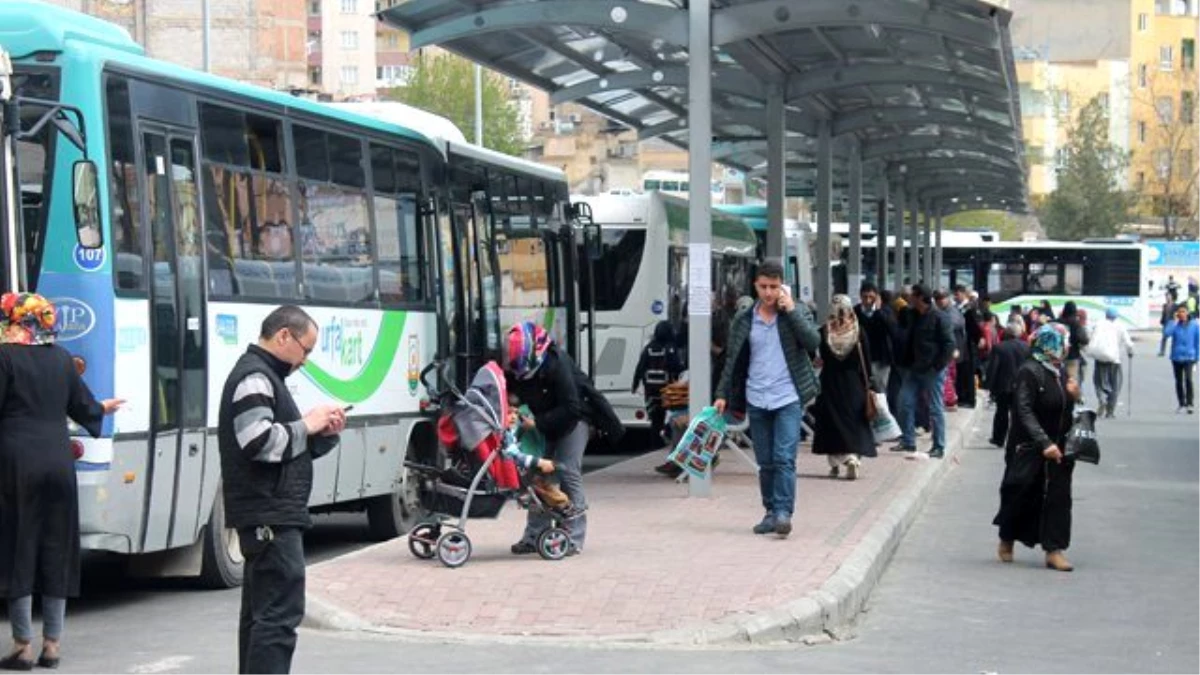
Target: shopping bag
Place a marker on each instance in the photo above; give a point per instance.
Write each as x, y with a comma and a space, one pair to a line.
1081, 442
698, 445
884, 426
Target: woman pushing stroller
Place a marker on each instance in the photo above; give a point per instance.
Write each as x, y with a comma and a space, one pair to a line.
547, 380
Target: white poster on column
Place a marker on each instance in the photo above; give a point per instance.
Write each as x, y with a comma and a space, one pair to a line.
699, 279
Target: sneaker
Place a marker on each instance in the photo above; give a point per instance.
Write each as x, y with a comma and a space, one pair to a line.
669, 469
937, 453
900, 447
1180, 409
783, 526
523, 548
852, 467
833, 472
766, 525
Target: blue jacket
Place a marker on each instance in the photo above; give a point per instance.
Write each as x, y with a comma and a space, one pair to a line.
1185, 340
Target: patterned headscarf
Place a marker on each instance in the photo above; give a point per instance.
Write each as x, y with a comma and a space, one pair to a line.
28, 319
841, 328
527, 345
1050, 344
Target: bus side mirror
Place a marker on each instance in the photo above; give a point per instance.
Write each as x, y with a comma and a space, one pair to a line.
86, 198
593, 235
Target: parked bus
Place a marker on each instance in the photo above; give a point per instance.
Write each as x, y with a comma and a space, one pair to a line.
219, 201
641, 278
798, 245
1095, 276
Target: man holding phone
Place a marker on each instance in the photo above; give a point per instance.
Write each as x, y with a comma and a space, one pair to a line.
768, 351
267, 449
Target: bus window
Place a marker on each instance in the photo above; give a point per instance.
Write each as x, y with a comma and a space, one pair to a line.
126, 216
1072, 279
397, 183
524, 276
1005, 280
616, 270
335, 230
652, 185
248, 206
1042, 278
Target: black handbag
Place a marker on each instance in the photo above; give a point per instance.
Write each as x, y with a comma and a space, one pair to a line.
1081, 439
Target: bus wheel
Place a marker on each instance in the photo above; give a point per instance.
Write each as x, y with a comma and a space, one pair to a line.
393, 515
222, 565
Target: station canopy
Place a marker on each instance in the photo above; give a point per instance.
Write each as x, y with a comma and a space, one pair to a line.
925, 90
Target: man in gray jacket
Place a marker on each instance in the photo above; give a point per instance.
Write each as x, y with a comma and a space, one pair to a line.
927, 352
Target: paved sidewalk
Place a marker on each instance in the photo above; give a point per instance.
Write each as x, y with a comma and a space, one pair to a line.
658, 568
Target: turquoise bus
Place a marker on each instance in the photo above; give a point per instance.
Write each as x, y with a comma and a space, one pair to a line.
218, 201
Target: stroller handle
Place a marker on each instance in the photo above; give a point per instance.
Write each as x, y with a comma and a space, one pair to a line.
435, 390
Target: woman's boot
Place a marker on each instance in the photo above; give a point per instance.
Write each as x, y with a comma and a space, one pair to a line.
1055, 560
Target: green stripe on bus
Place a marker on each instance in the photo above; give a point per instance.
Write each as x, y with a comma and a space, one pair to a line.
368, 379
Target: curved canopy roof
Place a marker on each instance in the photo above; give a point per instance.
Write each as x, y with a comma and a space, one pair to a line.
924, 89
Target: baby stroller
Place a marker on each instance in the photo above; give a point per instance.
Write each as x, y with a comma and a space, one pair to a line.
479, 479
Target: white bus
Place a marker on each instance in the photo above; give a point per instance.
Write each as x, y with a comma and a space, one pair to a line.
641, 278
219, 201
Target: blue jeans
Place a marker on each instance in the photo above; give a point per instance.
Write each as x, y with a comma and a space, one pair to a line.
776, 435
914, 384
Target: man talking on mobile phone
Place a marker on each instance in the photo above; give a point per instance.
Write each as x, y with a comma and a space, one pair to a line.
267, 450
768, 351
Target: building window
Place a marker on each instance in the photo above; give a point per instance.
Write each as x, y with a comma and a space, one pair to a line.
1166, 57
1102, 97
314, 76
389, 40
314, 8
1060, 159
1187, 107
1143, 21
349, 39
1165, 107
1187, 161
1143, 75
393, 76
1162, 163
1187, 54
349, 6
349, 75
1141, 131
1141, 180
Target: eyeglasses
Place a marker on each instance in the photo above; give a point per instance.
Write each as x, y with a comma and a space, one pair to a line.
307, 350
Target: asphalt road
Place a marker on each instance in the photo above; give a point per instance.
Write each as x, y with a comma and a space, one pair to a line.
944, 605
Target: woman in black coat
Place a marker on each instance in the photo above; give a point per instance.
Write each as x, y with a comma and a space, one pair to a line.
39, 501
1035, 494
843, 433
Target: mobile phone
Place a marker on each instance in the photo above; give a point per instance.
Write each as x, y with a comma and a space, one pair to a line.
348, 408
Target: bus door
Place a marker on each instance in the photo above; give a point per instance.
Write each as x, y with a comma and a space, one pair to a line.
478, 320
177, 327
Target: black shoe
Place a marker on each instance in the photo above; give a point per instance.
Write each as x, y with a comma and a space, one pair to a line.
766, 525
937, 453
15, 662
523, 548
783, 526
900, 447
669, 469
998, 444
47, 661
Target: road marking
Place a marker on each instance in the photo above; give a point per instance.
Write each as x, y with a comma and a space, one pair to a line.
171, 663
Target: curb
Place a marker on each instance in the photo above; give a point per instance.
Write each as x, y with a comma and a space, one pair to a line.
821, 616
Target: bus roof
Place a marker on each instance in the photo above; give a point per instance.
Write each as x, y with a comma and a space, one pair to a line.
729, 232
28, 27
486, 156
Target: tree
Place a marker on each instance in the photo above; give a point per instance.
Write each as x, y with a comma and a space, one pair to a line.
1088, 201
1166, 158
1009, 227
444, 84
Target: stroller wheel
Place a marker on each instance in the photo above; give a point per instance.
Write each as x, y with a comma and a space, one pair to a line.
554, 543
422, 539
454, 548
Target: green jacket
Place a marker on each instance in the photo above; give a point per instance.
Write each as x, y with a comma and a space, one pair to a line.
798, 335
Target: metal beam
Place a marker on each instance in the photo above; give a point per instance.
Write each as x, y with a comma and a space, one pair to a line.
901, 233
908, 116
653, 22
776, 170
821, 282
881, 250
726, 80
928, 144
968, 193
874, 74
756, 117
927, 249
914, 239
768, 17
699, 218
854, 256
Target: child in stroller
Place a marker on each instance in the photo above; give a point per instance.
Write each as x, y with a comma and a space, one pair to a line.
487, 469
525, 446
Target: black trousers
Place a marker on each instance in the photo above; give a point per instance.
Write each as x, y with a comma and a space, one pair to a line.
1185, 385
964, 382
1004, 402
272, 599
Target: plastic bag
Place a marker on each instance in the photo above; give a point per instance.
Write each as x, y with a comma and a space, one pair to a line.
884, 426
699, 444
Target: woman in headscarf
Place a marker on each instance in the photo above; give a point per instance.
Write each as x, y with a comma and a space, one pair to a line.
843, 432
39, 501
546, 380
1035, 494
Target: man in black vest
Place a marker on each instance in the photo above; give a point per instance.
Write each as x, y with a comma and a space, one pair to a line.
267, 449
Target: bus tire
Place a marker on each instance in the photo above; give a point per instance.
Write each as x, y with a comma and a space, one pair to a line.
393, 515
222, 565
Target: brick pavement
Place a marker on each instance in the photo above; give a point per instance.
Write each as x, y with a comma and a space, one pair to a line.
655, 559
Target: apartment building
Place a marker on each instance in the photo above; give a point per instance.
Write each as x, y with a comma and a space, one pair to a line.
262, 42
350, 54
1139, 57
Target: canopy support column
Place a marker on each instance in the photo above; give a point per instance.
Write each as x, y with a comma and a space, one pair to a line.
927, 255
901, 235
821, 284
776, 172
914, 241
854, 255
881, 237
936, 279
700, 218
